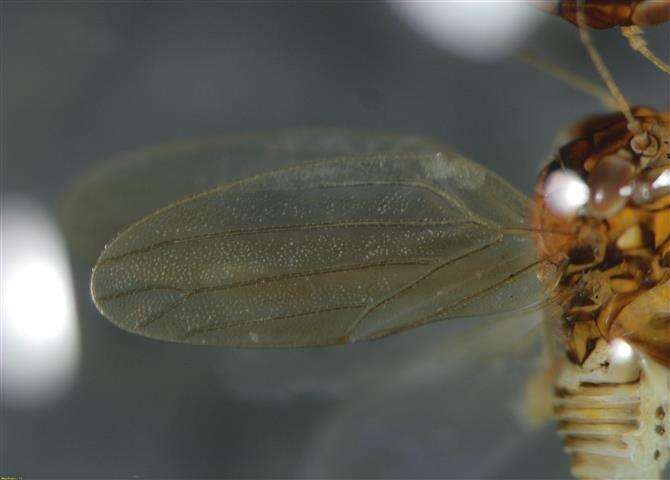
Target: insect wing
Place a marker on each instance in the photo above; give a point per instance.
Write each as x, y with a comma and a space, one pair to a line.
343, 250
464, 424
124, 189
429, 355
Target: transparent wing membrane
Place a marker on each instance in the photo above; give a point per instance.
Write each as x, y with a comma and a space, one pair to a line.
126, 188
458, 416
464, 429
431, 355
324, 253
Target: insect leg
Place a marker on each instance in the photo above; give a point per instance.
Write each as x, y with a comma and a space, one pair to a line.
638, 43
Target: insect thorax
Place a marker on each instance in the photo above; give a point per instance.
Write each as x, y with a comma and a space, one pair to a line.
613, 253
616, 280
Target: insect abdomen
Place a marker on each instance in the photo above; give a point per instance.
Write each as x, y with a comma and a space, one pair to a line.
613, 417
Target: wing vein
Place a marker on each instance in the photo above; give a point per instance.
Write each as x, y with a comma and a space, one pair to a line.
417, 281
246, 323
284, 228
445, 308
272, 278
173, 306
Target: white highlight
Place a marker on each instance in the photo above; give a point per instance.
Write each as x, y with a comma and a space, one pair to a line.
621, 351
40, 339
480, 29
40, 318
663, 180
626, 191
565, 192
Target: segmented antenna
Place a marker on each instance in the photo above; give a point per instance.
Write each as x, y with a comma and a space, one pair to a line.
600, 65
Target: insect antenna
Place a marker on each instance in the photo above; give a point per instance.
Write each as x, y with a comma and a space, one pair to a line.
638, 43
570, 78
603, 71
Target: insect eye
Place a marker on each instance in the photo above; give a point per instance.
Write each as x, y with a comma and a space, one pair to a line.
651, 13
609, 185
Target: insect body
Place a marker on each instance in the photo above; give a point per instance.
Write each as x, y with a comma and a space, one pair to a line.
611, 400
629, 15
605, 14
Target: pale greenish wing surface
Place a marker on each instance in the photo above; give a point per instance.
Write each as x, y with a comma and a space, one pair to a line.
435, 354
468, 425
124, 189
332, 252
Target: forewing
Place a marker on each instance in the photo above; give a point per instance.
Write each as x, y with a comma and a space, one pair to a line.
332, 252
124, 189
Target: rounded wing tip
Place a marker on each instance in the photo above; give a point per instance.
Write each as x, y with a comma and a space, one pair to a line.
93, 289
94, 283
102, 300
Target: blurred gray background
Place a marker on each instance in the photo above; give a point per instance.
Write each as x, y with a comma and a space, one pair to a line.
83, 81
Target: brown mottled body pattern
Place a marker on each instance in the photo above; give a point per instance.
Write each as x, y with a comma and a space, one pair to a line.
604, 14
615, 282
628, 15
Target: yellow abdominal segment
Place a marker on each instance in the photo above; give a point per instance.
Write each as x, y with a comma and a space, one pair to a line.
613, 415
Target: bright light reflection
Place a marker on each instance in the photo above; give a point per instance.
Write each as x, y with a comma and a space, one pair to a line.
40, 344
621, 351
484, 29
626, 191
565, 192
43, 319
663, 180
